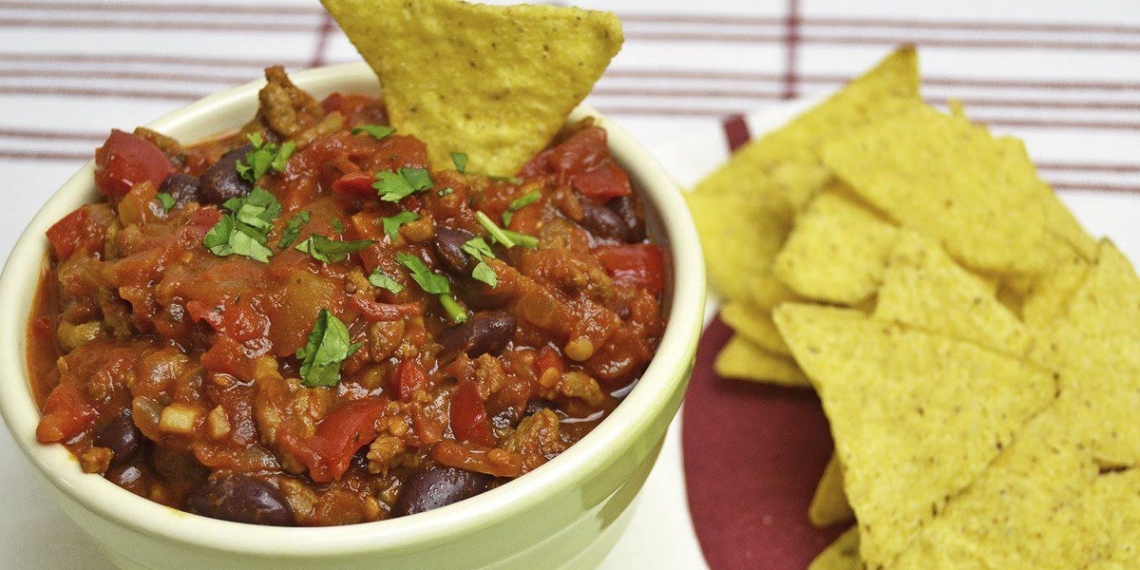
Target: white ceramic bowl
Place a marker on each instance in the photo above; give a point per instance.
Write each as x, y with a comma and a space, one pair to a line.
565, 514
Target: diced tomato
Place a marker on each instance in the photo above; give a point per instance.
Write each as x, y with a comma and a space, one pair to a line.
469, 420
637, 265
603, 183
585, 150
548, 358
355, 184
501, 463
125, 160
340, 434
227, 356
410, 376
66, 414
375, 312
76, 231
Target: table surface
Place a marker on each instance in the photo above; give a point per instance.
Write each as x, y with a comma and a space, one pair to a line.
1065, 76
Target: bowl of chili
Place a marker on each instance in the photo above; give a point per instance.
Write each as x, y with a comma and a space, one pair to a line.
535, 499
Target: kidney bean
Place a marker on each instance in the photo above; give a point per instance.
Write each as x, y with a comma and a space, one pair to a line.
632, 213
120, 436
438, 487
185, 188
486, 332
240, 498
221, 181
448, 244
604, 222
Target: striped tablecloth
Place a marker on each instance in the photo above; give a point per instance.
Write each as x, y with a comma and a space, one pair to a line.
1065, 76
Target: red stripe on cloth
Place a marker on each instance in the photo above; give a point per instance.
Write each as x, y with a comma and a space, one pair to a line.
160, 26
792, 51
889, 41
328, 26
1109, 188
753, 455
736, 132
161, 8
44, 155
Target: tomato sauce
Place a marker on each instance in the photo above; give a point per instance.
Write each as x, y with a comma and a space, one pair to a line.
305, 323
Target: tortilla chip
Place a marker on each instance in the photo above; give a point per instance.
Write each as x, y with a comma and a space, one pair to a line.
784, 165
767, 292
947, 178
924, 288
495, 82
908, 426
1047, 298
829, 505
755, 325
740, 236
836, 252
742, 360
843, 554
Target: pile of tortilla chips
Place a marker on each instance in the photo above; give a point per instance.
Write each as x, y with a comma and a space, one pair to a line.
976, 352
493, 82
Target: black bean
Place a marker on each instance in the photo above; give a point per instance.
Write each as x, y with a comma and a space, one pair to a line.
630, 210
184, 188
438, 487
240, 498
448, 244
604, 222
120, 436
487, 332
221, 181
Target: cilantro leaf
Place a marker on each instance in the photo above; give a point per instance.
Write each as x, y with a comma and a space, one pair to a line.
166, 200
328, 346
417, 177
476, 247
460, 160
392, 223
507, 238
329, 250
484, 273
383, 281
446, 192
394, 187
337, 226
377, 132
430, 282
293, 228
264, 157
245, 230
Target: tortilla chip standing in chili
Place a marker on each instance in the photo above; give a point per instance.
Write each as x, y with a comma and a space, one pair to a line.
494, 82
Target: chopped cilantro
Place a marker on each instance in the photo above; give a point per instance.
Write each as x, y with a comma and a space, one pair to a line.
392, 223
507, 238
484, 273
264, 157
524, 200
430, 282
383, 281
454, 310
377, 132
337, 226
460, 160
246, 229
166, 200
293, 228
525, 240
446, 192
328, 346
394, 187
329, 250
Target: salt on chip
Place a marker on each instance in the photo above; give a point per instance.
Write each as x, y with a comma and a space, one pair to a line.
908, 426
924, 288
836, 252
947, 178
740, 359
494, 82
740, 236
755, 325
843, 554
829, 504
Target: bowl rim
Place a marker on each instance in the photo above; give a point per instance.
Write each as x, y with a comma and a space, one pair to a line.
666, 374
